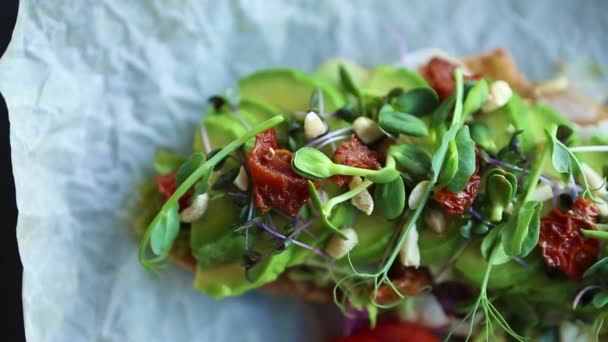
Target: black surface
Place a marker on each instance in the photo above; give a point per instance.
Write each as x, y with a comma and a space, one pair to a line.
10, 286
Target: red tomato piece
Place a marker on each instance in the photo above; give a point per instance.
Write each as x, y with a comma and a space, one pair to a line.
275, 184
440, 74
562, 243
410, 282
354, 153
392, 331
455, 203
166, 186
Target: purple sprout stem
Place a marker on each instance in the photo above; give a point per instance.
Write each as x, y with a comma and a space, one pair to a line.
476, 215
581, 293
523, 263
295, 242
332, 140
303, 227
236, 194
329, 135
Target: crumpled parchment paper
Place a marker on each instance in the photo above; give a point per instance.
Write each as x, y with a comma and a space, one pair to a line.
94, 87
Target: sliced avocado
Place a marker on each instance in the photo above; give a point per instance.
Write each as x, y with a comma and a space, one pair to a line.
221, 215
288, 90
437, 248
471, 266
374, 233
385, 78
230, 280
329, 72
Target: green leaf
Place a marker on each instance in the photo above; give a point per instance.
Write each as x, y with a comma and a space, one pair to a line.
492, 248
390, 198
450, 165
187, 168
560, 156
600, 299
324, 212
394, 123
412, 159
440, 115
522, 231
312, 163
596, 267
417, 101
475, 98
165, 231
466, 160
348, 83
500, 192
166, 161
228, 248
483, 136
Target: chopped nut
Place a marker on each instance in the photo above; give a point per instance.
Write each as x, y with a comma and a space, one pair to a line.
416, 195
542, 193
241, 181
196, 209
337, 248
314, 127
435, 220
499, 94
367, 129
363, 200
409, 255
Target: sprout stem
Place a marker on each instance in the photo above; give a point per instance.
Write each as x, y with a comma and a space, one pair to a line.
594, 148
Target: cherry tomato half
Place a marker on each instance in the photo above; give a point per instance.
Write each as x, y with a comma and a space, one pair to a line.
392, 331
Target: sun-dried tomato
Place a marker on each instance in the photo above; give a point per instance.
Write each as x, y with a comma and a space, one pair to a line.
167, 186
275, 184
455, 203
410, 281
562, 243
440, 74
354, 153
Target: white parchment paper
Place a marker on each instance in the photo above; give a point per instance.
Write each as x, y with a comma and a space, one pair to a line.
95, 86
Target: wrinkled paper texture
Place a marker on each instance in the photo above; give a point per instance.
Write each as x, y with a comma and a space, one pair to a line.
94, 87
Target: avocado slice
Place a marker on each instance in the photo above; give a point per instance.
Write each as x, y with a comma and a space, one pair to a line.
437, 248
329, 72
288, 90
374, 233
230, 280
471, 266
212, 225
385, 78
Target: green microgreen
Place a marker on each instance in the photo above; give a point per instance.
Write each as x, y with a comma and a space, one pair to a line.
162, 231
522, 230
389, 198
393, 123
314, 164
417, 101
413, 160
501, 187
381, 276
483, 136
475, 98
325, 210
467, 160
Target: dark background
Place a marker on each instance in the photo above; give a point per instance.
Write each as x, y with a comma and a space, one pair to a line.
10, 287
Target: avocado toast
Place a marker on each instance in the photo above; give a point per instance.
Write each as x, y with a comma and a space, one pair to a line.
374, 187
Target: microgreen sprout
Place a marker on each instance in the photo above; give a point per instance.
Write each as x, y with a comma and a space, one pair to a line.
314, 164
163, 229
